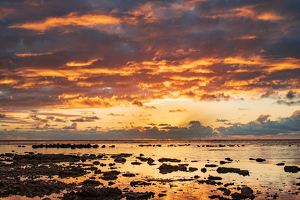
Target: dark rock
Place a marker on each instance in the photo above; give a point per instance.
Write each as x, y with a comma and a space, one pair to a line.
222, 170
89, 192
225, 191
280, 164
251, 158
209, 182
214, 178
292, 169
192, 169
203, 170
211, 165
169, 160
224, 162
165, 168
96, 163
161, 195
128, 175
120, 160
137, 183
110, 175
91, 182
260, 160
139, 195
246, 192
229, 159
136, 163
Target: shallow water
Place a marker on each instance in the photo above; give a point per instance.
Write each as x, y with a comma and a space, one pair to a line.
266, 178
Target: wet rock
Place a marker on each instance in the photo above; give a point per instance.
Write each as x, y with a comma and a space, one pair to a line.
211, 165
203, 170
139, 195
165, 168
280, 164
136, 163
120, 160
222, 170
246, 192
90, 192
223, 162
30, 188
91, 182
251, 158
292, 169
229, 159
209, 182
110, 175
225, 191
168, 160
192, 169
214, 178
138, 183
96, 163
260, 160
161, 195
128, 175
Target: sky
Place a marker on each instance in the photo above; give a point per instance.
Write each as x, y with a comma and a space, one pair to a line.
159, 69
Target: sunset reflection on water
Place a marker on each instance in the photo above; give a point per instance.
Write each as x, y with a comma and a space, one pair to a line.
266, 178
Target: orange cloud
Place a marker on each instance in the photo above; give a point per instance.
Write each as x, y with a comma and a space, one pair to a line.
72, 19
80, 64
32, 54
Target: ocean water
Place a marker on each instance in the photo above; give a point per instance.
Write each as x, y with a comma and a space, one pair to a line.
266, 178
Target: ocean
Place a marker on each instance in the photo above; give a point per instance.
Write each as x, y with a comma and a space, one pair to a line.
184, 177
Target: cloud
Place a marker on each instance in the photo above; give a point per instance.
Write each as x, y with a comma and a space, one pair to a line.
178, 110
86, 119
2, 116
263, 126
222, 120
115, 115
73, 126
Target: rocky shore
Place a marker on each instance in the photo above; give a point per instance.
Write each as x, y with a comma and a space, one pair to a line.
42, 175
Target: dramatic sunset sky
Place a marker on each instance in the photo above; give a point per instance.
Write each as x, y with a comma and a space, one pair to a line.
136, 69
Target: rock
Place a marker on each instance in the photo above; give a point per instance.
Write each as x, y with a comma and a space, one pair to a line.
222, 170
203, 170
251, 159
292, 169
192, 169
168, 160
260, 160
136, 183
91, 182
161, 195
120, 160
165, 168
209, 182
128, 175
89, 192
211, 165
246, 192
229, 159
136, 163
139, 195
110, 175
225, 191
96, 163
214, 178
280, 164
223, 162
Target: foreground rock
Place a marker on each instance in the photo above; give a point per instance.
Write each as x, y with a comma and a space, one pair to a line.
165, 168
246, 192
92, 193
224, 170
292, 169
31, 188
139, 195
